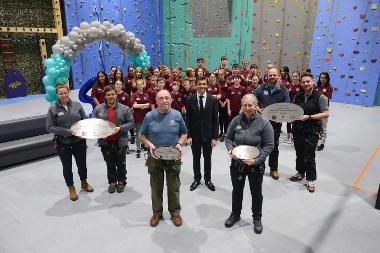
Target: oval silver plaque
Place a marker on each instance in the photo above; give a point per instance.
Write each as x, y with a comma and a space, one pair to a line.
283, 112
244, 152
167, 153
92, 128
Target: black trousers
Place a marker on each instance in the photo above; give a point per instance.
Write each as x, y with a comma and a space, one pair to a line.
273, 157
79, 151
114, 156
223, 120
238, 174
196, 148
305, 144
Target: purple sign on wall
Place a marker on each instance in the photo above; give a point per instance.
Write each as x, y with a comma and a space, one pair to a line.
15, 84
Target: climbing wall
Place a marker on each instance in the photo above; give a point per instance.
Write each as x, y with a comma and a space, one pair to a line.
143, 18
282, 33
22, 51
208, 29
346, 44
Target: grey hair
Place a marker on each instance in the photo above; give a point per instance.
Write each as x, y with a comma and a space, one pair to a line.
250, 97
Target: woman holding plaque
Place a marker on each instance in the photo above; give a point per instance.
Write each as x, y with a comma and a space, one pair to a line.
60, 117
248, 128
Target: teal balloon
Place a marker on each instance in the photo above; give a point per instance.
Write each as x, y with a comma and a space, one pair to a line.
53, 72
49, 63
62, 79
56, 56
51, 98
50, 90
48, 81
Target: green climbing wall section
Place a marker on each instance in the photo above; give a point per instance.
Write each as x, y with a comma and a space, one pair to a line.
182, 46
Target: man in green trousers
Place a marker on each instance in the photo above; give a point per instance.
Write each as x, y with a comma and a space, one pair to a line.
164, 127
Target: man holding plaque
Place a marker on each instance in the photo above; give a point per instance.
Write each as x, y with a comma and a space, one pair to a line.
164, 127
307, 128
114, 147
248, 128
202, 120
270, 93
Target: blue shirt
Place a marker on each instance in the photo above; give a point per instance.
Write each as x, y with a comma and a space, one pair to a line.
163, 129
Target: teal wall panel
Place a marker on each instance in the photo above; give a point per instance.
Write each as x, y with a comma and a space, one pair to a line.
182, 48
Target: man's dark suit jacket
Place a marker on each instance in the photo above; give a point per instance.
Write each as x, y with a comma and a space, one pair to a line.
202, 126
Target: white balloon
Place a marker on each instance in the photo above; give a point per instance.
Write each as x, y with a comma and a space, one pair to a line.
120, 27
84, 25
76, 29
71, 43
137, 41
64, 40
95, 23
75, 47
79, 42
56, 48
101, 34
73, 36
107, 24
115, 32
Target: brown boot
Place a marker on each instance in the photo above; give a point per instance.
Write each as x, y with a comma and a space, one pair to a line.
154, 220
177, 220
73, 193
86, 186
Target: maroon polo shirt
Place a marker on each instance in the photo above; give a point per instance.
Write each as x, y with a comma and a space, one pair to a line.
224, 92
235, 95
327, 91
293, 89
178, 101
213, 89
125, 99
139, 114
98, 93
250, 90
245, 73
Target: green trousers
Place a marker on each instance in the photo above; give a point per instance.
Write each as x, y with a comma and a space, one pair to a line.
157, 169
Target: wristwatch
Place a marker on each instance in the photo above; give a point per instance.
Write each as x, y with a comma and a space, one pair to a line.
309, 117
179, 144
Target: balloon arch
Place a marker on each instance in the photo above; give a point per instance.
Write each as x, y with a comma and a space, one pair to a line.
58, 65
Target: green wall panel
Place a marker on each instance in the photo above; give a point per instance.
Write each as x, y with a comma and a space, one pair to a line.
182, 48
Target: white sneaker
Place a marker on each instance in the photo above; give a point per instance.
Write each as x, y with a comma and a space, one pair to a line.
310, 186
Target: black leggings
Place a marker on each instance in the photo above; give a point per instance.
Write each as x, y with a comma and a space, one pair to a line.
66, 152
223, 120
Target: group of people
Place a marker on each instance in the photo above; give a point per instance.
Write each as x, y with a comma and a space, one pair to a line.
165, 109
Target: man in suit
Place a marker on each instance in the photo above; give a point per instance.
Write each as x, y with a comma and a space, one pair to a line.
202, 120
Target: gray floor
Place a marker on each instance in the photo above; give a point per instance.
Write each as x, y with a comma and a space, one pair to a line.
37, 216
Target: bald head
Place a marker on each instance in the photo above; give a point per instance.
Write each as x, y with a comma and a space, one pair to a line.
163, 100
